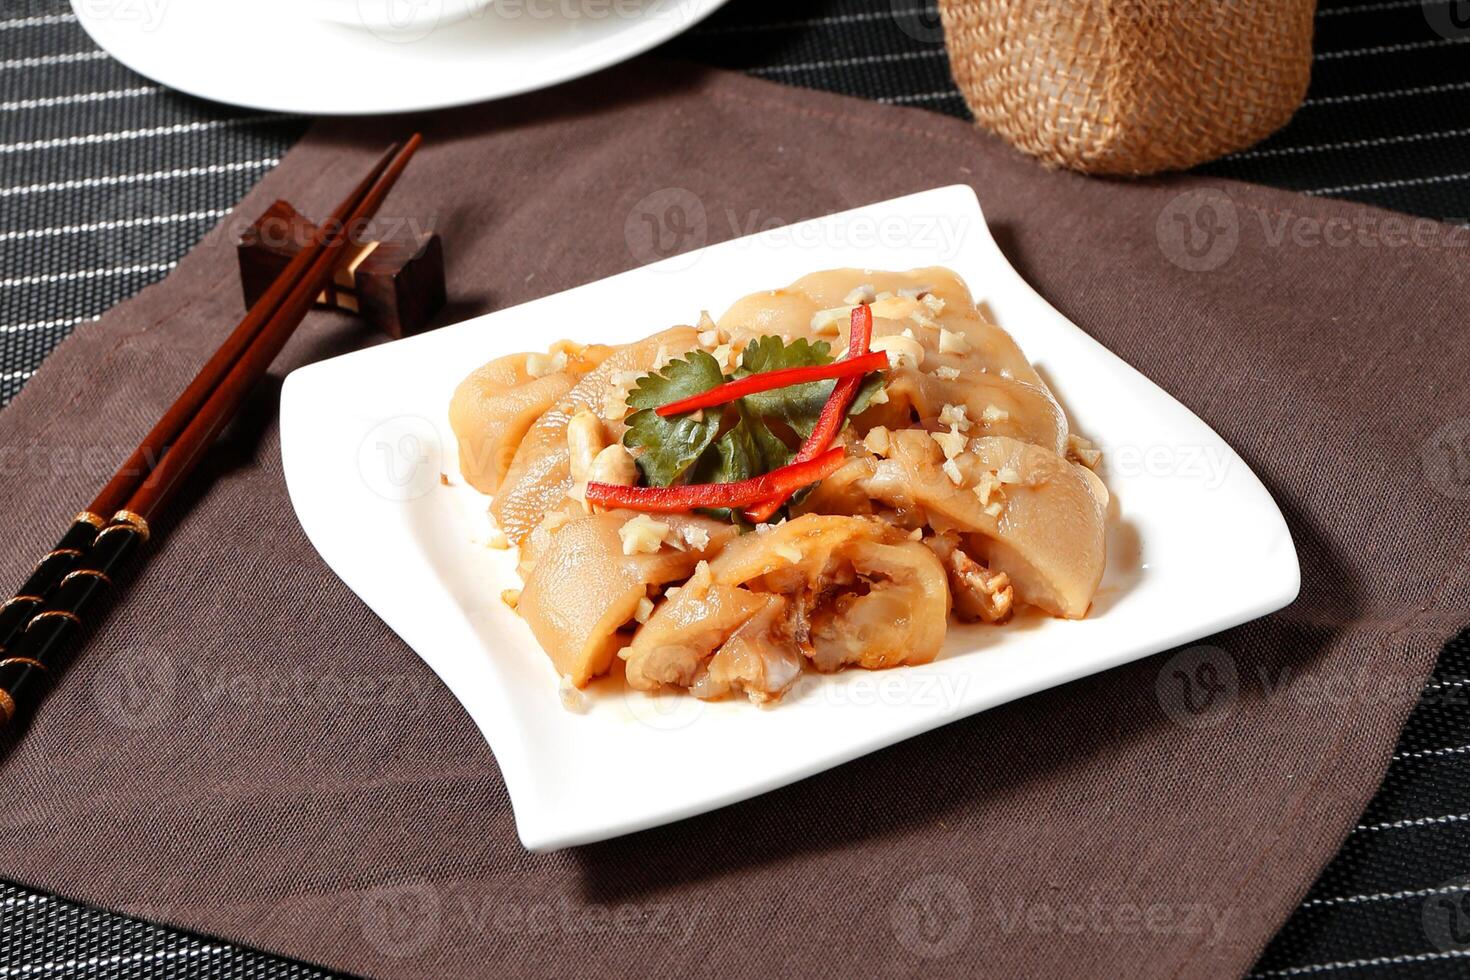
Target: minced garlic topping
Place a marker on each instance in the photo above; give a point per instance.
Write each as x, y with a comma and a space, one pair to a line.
988, 485
952, 443
828, 323
572, 699
955, 417
901, 349
724, 356
1083, 451
924, 319
953, 343
644, 610
876, 441
643, 535
540, 365
953, 472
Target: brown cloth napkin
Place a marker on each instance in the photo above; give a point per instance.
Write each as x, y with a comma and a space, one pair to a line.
245, 750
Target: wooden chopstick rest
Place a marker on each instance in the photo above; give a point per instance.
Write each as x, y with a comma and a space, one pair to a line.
396, 283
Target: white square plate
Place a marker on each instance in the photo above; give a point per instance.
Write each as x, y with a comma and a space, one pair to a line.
365, 438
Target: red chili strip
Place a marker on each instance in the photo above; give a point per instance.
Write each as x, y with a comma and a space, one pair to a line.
834, 413
679, 499
770, 380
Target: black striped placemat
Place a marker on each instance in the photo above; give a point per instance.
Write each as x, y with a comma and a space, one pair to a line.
106, 180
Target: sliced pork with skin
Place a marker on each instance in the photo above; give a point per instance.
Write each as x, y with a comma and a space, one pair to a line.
583, 588
964, 491
540, 475
835, 590
1040, 523
973, 339
993, 405
495, 406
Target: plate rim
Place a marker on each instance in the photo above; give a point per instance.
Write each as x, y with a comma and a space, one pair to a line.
652, 38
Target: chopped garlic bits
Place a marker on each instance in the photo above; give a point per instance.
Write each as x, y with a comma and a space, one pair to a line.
946, 373
615, 402
829, 323
952, 443
540, 365
1083, 451
951, 342
986, 487
955, 416
876, 441
901, 350
924, 320
642, 535
992, 415
572, 699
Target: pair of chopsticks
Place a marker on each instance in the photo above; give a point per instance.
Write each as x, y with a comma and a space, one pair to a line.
36, 623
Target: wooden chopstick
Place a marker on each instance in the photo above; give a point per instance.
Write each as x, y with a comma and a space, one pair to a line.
63, 558
223, 403
27, 667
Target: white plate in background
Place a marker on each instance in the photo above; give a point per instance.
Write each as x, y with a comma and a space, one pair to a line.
365, 438
296, 56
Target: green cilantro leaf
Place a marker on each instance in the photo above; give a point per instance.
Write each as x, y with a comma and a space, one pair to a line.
870, 386
799, 405
747, 449
672, 445
736, 442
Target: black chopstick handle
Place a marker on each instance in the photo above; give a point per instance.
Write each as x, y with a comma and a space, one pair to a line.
31, 665
48, 573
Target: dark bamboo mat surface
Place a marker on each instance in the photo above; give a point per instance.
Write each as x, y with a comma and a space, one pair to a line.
107, 179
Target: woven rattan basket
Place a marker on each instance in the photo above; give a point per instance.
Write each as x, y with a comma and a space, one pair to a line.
1130, 86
